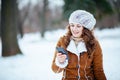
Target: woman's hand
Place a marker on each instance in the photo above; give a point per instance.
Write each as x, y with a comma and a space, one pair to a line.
61, 57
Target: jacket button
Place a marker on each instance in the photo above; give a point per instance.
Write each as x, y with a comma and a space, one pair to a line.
78, 77
77, 66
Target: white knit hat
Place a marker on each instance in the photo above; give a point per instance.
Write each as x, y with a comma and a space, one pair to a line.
83, 18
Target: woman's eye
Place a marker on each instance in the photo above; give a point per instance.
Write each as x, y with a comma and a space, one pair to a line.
78, 26
72, 25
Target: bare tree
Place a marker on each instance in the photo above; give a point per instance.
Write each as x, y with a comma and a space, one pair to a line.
9, 23
23, 15
43, 19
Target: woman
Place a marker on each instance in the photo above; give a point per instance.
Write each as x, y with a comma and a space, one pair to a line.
84, 59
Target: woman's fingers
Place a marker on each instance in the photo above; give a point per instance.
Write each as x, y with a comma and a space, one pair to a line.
61, 57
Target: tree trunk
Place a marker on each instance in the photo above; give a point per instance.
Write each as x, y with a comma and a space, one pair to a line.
44, 17
9, 23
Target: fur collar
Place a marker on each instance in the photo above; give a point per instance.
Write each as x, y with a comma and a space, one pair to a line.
76, 49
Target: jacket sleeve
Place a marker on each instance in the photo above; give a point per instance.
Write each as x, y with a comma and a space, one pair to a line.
55, 67
98, 63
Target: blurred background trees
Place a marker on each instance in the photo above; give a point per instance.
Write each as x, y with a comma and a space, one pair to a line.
103, 10
44, 15
25, 16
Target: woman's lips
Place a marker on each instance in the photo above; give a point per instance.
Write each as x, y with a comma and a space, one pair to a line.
75, 32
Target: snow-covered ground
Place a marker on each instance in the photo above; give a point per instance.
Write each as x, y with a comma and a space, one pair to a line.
35, 63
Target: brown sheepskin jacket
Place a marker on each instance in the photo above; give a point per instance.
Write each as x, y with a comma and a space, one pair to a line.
87, 68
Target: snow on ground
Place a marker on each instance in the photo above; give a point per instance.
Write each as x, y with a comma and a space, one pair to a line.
35, 63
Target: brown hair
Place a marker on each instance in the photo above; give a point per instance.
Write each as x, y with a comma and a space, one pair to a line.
87, 36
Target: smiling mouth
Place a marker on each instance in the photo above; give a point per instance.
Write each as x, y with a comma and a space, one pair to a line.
75, 32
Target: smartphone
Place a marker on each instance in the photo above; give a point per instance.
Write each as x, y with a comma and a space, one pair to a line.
61, 50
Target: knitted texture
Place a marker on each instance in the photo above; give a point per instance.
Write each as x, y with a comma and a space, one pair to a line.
83, 18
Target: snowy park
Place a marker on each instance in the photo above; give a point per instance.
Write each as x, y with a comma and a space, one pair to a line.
35, 63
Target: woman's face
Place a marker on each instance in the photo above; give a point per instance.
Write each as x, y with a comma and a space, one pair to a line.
76, 30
